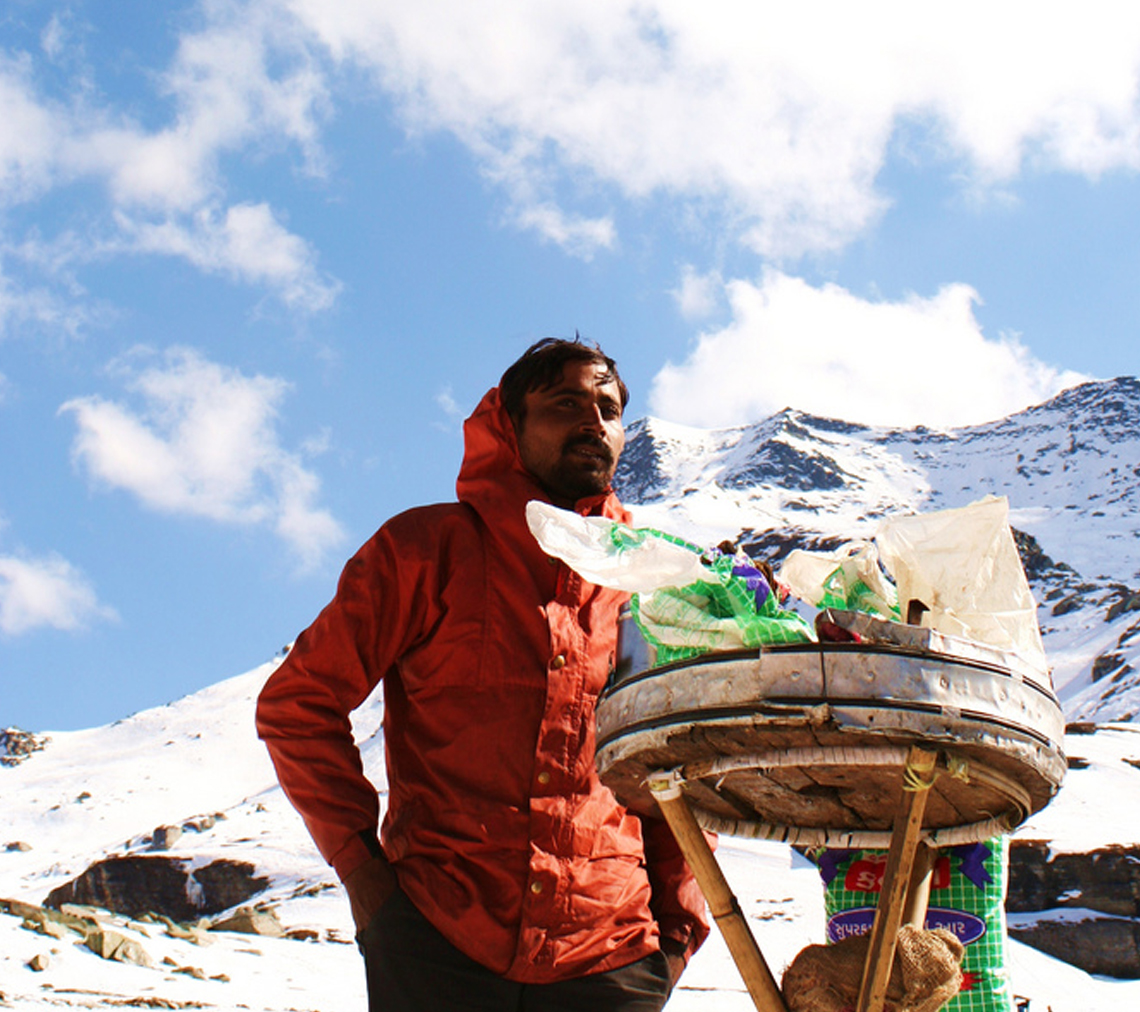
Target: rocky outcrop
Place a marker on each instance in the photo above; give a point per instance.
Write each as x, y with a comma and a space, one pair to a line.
1105, 880
71, 921
1108, 946
136, 885
165, 837
1087, 905
108, 944
249, 921
17, 745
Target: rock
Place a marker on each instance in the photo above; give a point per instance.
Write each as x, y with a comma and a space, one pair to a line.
1102, 945
17, 745
39, 962
109, 944
1127, 602
194, 934
53, 929
138, 884
1104, 884
1106, 880
225, 884
17, 846
81, 911
164, 837
248, 921
45, 921
315, 889
1068, 604
1111, 664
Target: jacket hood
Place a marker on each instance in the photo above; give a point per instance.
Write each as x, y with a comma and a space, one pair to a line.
493, 479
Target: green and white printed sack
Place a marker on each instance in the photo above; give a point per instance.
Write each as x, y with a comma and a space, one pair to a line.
967, 897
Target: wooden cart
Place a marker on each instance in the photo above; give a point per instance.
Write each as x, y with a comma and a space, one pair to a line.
910, 746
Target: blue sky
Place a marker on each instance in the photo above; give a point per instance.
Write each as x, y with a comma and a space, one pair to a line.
259, 257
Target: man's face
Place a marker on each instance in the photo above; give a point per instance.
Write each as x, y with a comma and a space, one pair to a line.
571, 435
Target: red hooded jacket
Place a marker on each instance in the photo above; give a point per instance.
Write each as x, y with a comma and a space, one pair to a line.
492, 657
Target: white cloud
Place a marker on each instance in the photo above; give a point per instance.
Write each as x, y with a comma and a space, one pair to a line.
770, 119
580, 237
204, 442
53, 39
46, 591
446, 402
698, 295
244, 81
248, 243
776, 114
38, 307
828, 351
30, 139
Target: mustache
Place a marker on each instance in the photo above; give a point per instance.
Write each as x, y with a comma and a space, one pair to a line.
590, 443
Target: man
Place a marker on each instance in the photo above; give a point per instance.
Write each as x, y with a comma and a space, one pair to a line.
509, 877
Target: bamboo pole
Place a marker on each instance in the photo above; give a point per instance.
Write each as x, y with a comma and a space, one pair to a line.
723, 905
918, 892
896, 877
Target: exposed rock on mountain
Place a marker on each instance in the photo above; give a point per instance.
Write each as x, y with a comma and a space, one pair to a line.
1106, 880
136, 885
17, 745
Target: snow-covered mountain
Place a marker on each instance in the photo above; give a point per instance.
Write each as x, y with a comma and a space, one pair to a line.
71, 799
1069, 468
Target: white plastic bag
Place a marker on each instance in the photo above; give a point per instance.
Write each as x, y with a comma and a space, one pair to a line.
963, 565
638, 563
848, 577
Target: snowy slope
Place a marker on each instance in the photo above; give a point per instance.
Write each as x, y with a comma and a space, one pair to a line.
199, 755
97, 793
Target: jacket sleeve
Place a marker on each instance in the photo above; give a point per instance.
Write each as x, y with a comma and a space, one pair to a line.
677, 902
303, 710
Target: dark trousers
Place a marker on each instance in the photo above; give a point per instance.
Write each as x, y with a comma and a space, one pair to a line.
411, 967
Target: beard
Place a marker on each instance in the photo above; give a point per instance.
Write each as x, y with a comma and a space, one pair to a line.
583, 469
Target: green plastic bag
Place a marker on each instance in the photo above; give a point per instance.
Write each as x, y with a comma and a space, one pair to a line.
733, 607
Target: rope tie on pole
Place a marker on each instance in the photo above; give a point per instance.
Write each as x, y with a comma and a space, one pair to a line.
920, 774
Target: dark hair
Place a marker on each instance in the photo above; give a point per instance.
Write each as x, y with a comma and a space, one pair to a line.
541, 365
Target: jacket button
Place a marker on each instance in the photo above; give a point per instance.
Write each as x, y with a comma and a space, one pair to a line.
536, 887
544, 778
558, 662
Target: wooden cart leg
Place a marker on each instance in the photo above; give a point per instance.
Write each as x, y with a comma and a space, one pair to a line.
918, 892
905, 838
762, 986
